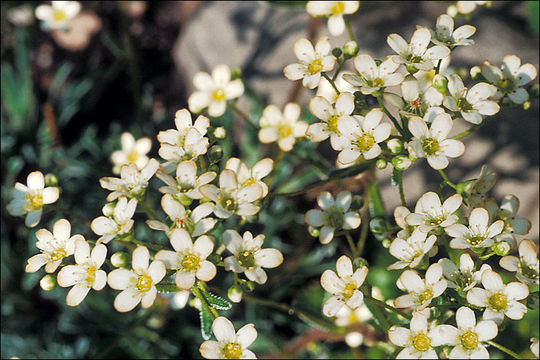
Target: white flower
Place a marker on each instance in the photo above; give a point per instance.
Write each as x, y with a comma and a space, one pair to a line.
421, 292
464, 7
186, 183
412, 250
230, 344
194, 221
54, 247
445, 34
312, 62
346, 316
506, 212
86, 274
344, 286
132, 152
535, 348
248, 257
527, 266
416, 52
282, 127
327, 91
329, 114
334, 10
29, 199
499, 299
479, 234
188, 259
372, 78
132, 183
335, 215
470, 103
432, 143
418, 341
468, 337
429, 214
476, 188
214, 91
58, 15
414, 101
464, 278
186, 143
230, 199
362, 136
247, 176
119, 223
138, 284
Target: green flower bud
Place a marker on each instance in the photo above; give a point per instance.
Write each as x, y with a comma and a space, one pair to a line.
51, 180
401, 162
395, 146
236, 73
377, 225
435, 312
215, 153
381, 164
313, 231
350, 49
359, 262
475, 72
246, 286
411, 69
235, 293
501, 248
119, 259
461, 188
336, 52
47, 283
357, 202
526, 105
386, 243
534, 91
440, 83
220, 132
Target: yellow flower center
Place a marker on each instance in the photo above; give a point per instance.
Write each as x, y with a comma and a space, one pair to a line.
475, 239
232, 351
430, 146
528, 271
498, 302
421, 342
435, 220
415, 104
58, 254
132, 156
218, 95
315, 66
227, 202
284, 131
464, 105
375, 83
334, 217
34, 201
144, 283
59, 15
469, 340
425, 295
249, 181
365, 142
91, 274
246, 259
350, 288
190, 262
338, 8
332, 123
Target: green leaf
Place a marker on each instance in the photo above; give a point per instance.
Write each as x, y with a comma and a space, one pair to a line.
206, 323
217, 302
376, 204
533, 8
167, 288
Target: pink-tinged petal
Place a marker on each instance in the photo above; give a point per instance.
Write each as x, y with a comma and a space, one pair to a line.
332, 306
127, 300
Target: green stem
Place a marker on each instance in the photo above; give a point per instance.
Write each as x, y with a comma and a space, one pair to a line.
401, 192
351, 244
394, 121
386, 306
324, 75
466, 132
447, 181
338, 69
504, 350
363, 232
349, 29
243, 116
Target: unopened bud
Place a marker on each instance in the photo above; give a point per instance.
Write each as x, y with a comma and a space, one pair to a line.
108, 209
395, 146
377, 225
336, 52
475, 71
386, 243
354, 339
119, 259
452, 11
401, 162
534, 91
526, 105
313, 231
360, 262
235, 293
246, 286
220, 132
47, 283
381, 164
215, 153
236, 73
350, 49
357, 202
501, 248
440, 83
51, 180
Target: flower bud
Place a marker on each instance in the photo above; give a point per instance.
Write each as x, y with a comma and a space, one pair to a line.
386, 243
440, 83
475, 71
357, 202
108, 209
350, 49
47, 283
51, 180
452, 10
336, 52
501, 248
534, 91
395, 146
235, 293
354, 339
401, 162
313, 231
215, 153
236, 73
377, 225
220, 132
359, 262
381, 164
526, 105
119, 259
246, 286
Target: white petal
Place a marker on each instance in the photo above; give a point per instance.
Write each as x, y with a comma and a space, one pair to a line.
268, 258
127, 300
344, 267
332, 306
246, 335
